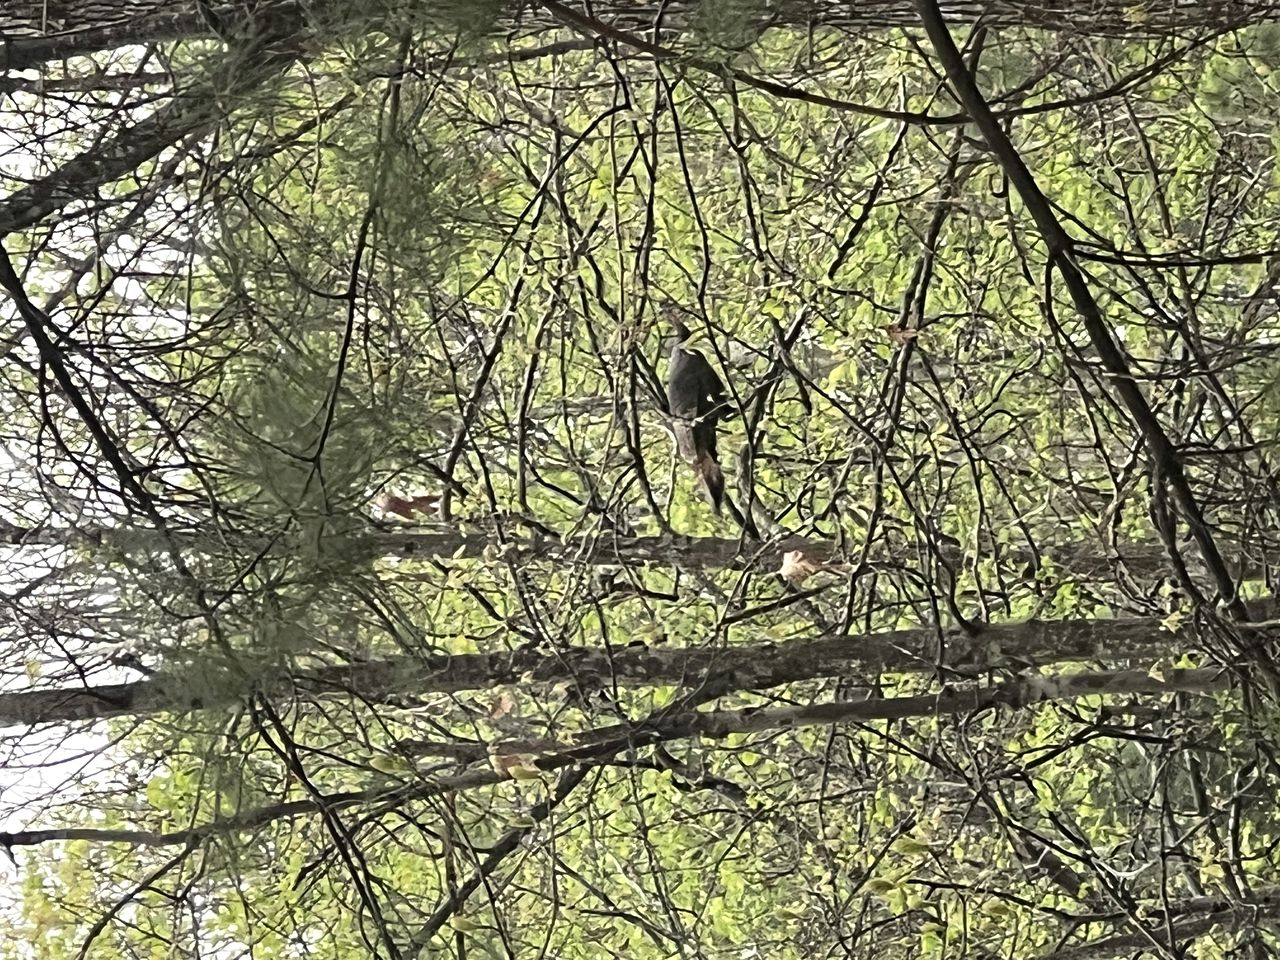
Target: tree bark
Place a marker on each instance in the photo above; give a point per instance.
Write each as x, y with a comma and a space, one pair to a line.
717, 670
596, 745
1187, 920
36, 32
1081, 560
189, 112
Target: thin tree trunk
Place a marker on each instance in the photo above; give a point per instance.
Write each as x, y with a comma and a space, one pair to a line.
720, 671
1082, 560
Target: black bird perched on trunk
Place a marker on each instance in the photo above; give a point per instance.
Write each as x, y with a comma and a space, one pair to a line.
695, 397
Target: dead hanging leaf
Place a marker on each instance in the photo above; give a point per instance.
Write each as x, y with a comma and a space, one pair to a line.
900, 336
797, 567
408, 508
501, 705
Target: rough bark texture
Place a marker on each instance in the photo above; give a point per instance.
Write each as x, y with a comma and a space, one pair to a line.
714, 671
1084, 561
32, 31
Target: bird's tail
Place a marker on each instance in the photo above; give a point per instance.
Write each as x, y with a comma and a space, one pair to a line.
712, 479
687, 443
703, 462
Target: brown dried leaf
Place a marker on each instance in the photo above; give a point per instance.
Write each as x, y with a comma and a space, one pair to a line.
501, 705
408, 508
796, 567
899, 336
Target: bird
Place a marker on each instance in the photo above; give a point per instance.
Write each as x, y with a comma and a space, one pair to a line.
695, 397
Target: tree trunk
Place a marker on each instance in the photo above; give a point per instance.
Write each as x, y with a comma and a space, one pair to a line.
36, 31
718, 671
1083, 560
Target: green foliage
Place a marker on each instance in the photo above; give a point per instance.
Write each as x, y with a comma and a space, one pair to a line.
1238, 81
300, 446
471, 272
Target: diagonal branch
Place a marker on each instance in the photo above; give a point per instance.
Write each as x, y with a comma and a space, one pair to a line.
497, 854
189, 112
1061, 251
597, 746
